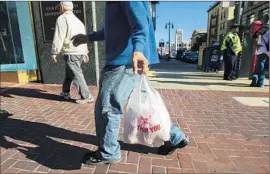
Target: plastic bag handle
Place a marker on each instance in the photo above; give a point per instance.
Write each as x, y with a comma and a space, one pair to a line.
140, 94
146, 83
150, 92
138, 88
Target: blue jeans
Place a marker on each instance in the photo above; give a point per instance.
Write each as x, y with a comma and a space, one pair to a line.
74, 74
116, 85
259, 75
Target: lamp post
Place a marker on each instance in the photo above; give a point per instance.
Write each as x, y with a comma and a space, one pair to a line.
169, 26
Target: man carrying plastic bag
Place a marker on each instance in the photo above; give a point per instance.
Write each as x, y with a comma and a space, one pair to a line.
130, 41
146, 120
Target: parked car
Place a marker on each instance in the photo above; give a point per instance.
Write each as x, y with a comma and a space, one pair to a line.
179, 54
190, 57
183, 55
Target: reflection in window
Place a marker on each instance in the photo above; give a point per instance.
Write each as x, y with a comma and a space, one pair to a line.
10, 38
251, 18
262, 13
265, 11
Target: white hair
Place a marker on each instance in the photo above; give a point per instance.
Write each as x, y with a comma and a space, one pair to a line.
66, 5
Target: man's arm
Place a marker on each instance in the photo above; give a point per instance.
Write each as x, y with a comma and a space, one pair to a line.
83, 38
97, 36
259, 40
59, 35
138, 20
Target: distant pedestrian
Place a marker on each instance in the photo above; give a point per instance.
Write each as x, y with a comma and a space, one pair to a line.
231, 48
262, 53
67, 26
130, 46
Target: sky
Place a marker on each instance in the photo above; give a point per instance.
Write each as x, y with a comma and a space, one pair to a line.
184, 15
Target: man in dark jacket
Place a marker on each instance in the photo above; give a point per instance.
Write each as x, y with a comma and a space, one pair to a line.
262, 53
231, 48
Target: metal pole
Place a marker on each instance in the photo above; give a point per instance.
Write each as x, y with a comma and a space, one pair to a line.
94, 20
237, 13
169, 39
237, 20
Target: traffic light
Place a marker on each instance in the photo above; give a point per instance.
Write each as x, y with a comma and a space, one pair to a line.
161, 44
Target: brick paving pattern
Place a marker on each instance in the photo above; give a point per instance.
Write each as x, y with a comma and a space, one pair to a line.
45, 134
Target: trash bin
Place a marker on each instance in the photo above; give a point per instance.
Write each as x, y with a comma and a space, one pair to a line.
205, 61
214, 58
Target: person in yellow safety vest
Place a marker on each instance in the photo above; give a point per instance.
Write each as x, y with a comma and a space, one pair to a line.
231, 48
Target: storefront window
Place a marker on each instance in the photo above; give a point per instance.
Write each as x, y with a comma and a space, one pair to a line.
10, 37
250, 18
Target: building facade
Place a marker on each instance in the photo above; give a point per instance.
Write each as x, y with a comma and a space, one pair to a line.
212, 24
186, 45
173, 50
252, 10
199, 38
226, 20
26, 33
220, 18
178, 38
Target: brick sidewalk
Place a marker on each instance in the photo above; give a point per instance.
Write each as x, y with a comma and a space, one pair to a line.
47, 135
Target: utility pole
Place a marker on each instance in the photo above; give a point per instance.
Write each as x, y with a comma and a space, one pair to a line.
237, 14
169, 26
237, 20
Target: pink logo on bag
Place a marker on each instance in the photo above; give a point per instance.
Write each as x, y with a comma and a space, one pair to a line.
143, 121
144, 125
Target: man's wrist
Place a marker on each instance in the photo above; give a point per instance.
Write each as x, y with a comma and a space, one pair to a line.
137, 52
138, 46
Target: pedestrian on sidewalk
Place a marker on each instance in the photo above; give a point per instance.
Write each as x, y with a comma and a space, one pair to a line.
130, 46
67, 26
231, 48
262, 53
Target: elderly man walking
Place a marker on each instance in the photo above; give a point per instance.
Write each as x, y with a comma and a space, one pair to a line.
67, 26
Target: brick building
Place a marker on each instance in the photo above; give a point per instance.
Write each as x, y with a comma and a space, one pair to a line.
220, 18
199, 38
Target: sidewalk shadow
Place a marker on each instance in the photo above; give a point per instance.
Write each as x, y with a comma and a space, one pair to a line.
32, 93
47, 146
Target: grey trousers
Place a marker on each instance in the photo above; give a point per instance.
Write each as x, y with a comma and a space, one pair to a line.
74, 74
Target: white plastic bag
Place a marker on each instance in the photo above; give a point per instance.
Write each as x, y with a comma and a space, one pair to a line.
146, 120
